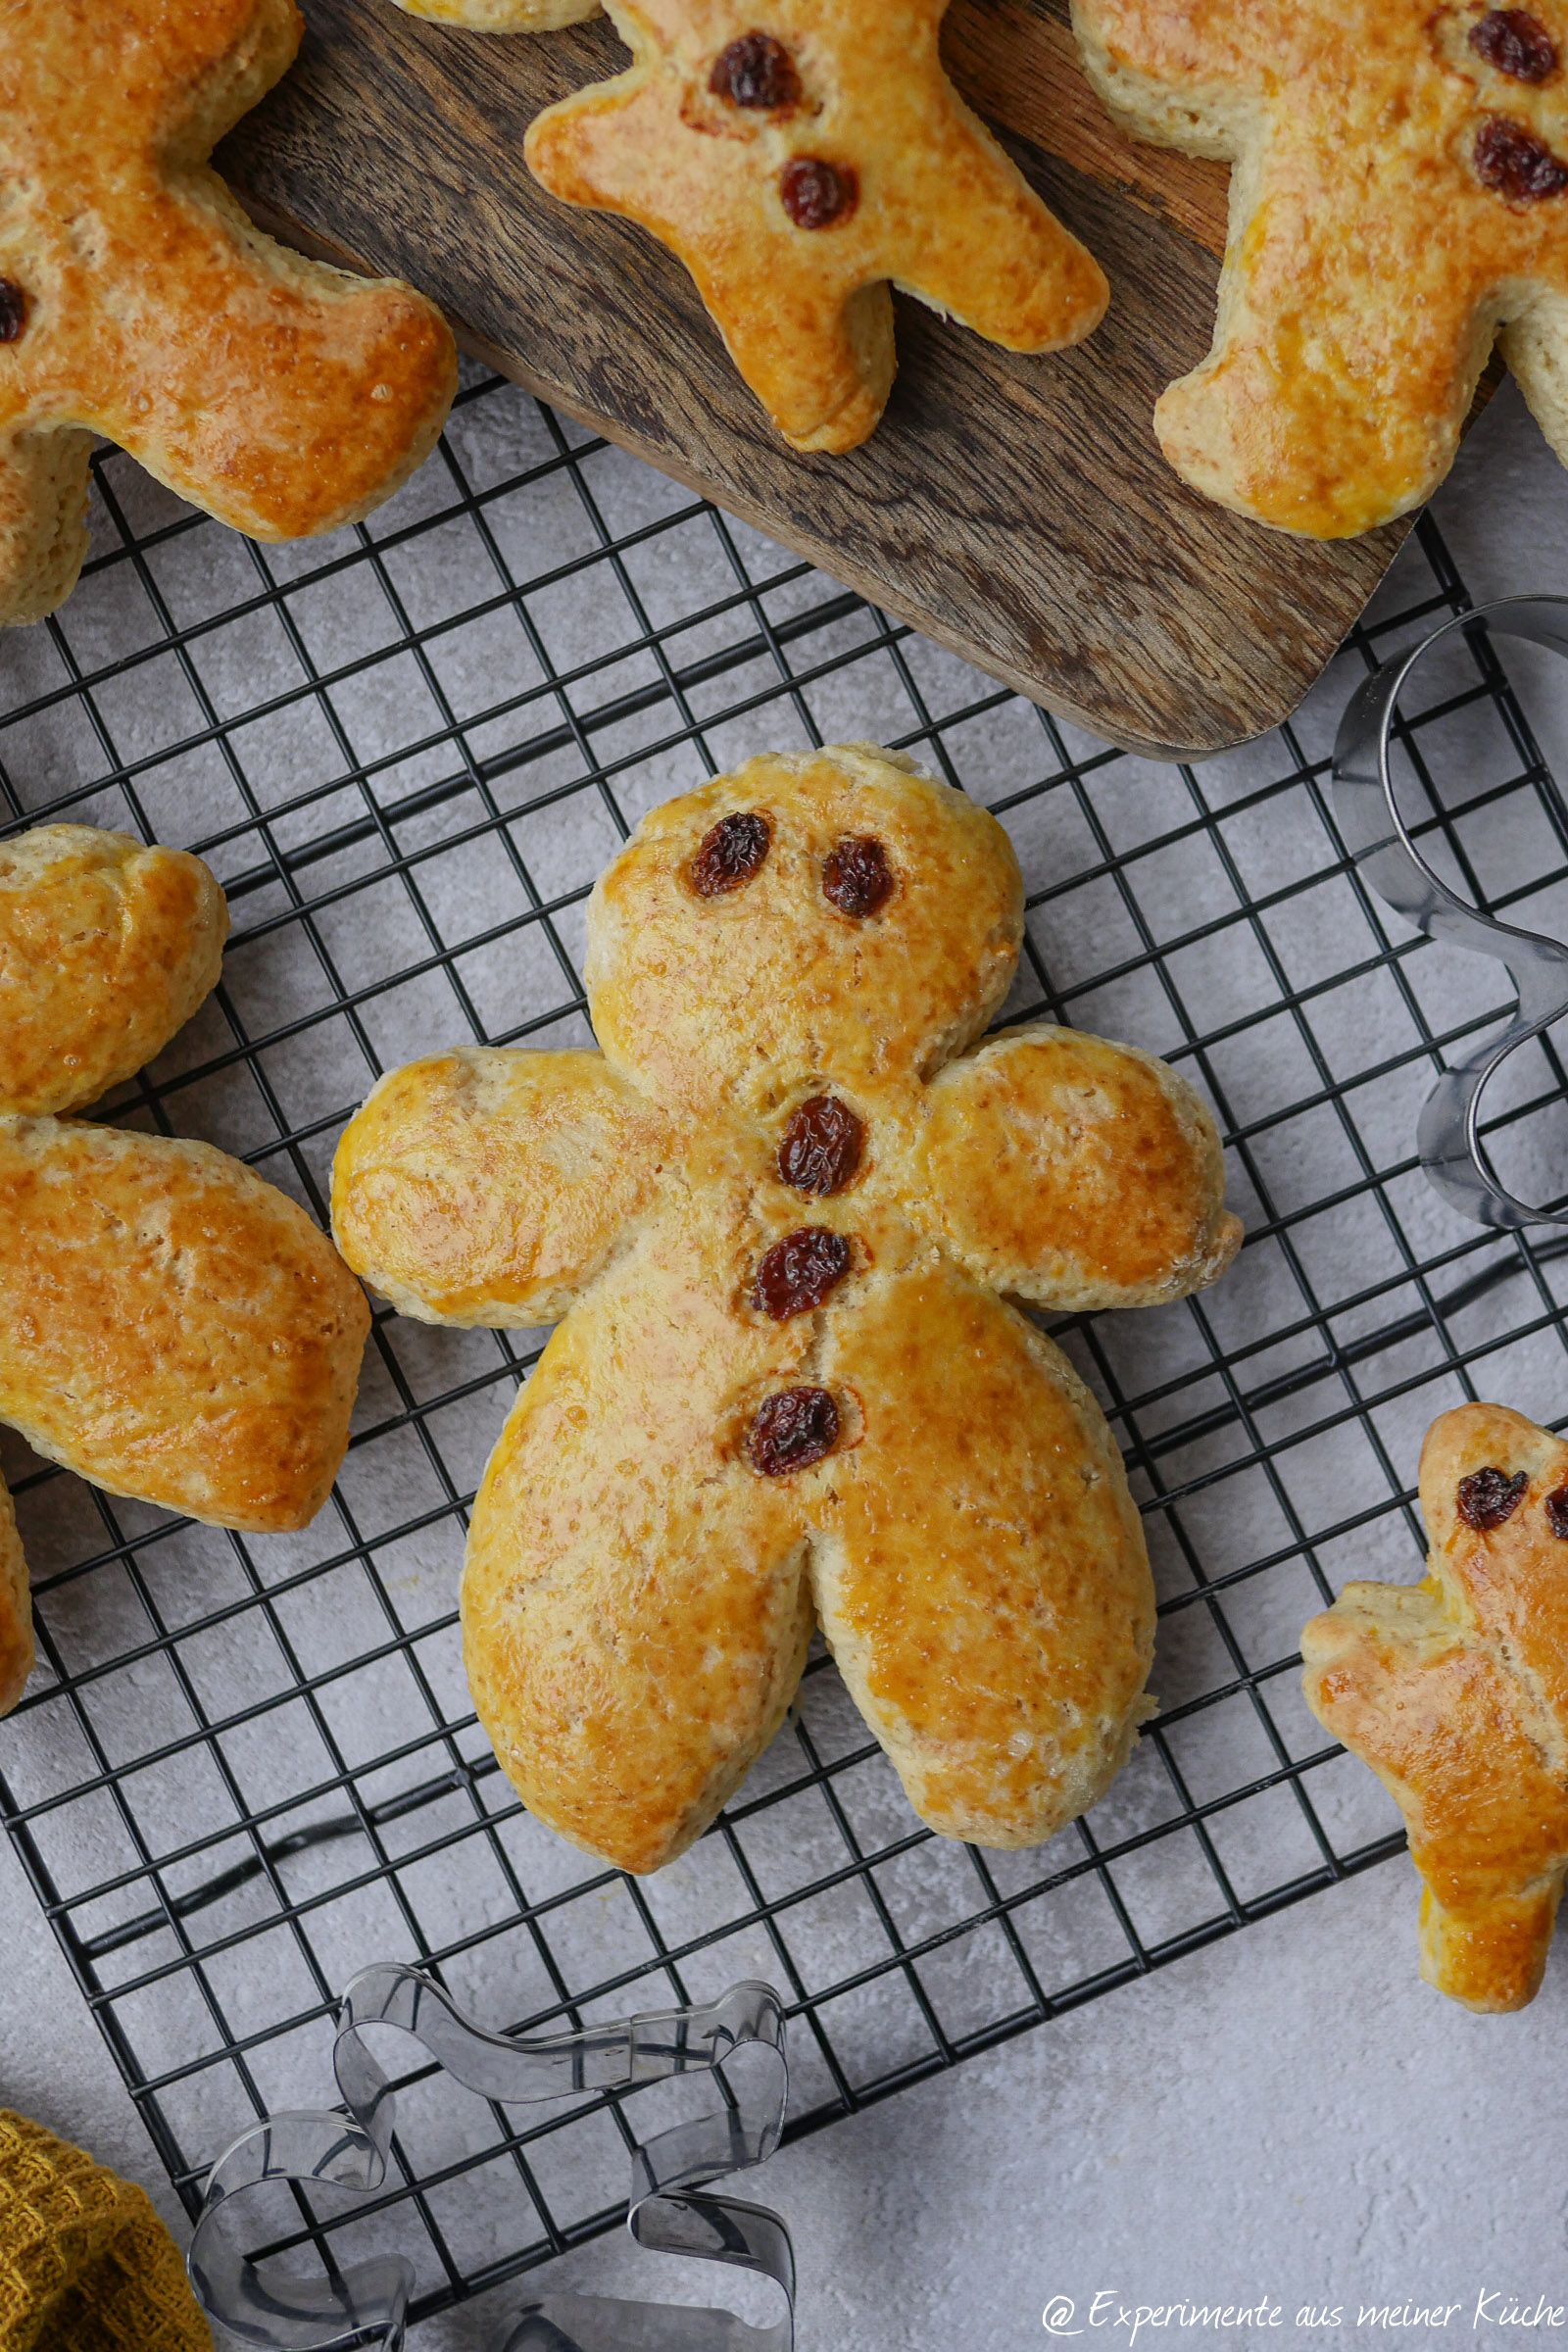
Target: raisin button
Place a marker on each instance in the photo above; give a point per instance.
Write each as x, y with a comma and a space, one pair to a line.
791, 1431
1488, 1496
730, 854
757, 72
13, 311
800, 1272
1516, 43
857, 877
816, 194
820, 1149
1512, 161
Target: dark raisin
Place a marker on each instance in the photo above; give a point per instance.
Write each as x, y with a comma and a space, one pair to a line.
1517, 163
816, 194
820, 1149
799, 1271
1557, 1513
730, 854
756, 70
1488, 1496
857, 877
13, 311
791, 1431
1516, 43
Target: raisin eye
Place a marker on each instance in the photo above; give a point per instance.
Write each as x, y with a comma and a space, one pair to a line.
1488, 1496
800, 1272
730, 854
757, 72
857, 877
820, 1149
13, 311
1557, 1513
1511, 161
816, 194
1516, 43
791, 1431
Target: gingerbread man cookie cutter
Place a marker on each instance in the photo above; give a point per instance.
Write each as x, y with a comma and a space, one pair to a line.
1449, 1138
139, 301
738, 2039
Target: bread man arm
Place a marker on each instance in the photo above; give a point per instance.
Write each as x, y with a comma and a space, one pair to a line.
1076, 1174
490, 1185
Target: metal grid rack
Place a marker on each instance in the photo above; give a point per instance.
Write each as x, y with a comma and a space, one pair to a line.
246, 1767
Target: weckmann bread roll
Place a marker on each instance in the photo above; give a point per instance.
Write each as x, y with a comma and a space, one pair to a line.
139, 301
1396, 204
1455, 1692
106, 949
802, 167
776, 1211
170, 1326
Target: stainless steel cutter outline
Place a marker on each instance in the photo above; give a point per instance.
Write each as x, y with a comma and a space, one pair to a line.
666, 2214
1449, 1132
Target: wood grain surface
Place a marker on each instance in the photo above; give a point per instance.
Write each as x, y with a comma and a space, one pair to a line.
1017, 510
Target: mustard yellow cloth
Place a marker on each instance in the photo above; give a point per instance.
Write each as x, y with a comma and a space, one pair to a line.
85, 2264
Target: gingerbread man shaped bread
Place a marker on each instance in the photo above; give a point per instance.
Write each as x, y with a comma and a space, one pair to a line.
137, 301
1398, 196
775, 1211
171, 1327
796, 162
1455, 1692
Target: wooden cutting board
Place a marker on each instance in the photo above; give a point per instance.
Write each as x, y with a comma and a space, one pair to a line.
1016, 510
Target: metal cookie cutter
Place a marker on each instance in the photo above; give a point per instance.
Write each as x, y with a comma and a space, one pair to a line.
1449, 1135
267, 2306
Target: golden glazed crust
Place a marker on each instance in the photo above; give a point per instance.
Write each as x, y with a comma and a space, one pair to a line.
726, 1000
503, 16
489, 1184
1455, 1692
634, 1592
283, 397
997, 1636
1044, 1132
636, 1605
1369, 264
16, 1609
106, 949
638, 1594
933, 203
172, 1327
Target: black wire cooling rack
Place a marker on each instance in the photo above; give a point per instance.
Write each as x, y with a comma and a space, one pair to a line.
247, 1767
